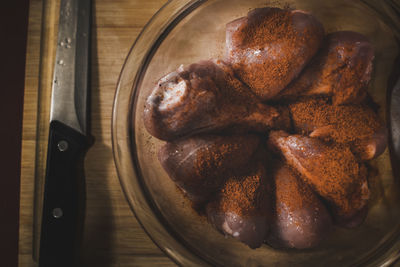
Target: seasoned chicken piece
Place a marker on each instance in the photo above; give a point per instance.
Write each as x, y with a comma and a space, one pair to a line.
366, 148
332, 171
301, 220
342, 69
205, 98
242, 207
354, 125
269, 47
200, 164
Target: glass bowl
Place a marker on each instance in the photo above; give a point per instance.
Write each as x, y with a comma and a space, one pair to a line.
185, 31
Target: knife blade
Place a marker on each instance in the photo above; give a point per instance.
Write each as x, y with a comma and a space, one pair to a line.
63, 204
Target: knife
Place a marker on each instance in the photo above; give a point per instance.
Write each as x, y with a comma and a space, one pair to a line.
63, 201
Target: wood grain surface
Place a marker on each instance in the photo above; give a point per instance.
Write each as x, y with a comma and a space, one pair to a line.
112, 235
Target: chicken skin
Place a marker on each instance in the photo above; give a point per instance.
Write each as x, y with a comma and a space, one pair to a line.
342, 70
268, 48
199, 164
301, 220
332, 171
205, 97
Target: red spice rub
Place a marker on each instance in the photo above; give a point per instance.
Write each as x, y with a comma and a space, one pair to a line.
270, 46
350, 121
340, 178
342, 69
244, 194
215, 159
354, 125
309, 114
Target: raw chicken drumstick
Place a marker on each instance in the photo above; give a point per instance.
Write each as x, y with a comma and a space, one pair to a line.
301, 220
342, 69
269, 47
242, 207
205, 97
354, 125
332, 171
200, 164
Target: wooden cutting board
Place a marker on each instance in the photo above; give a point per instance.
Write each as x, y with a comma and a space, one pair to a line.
112, 235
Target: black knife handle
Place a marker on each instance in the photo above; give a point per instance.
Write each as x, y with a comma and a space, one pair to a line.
63, 200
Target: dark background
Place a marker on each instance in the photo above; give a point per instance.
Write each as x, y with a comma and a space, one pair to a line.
13, 34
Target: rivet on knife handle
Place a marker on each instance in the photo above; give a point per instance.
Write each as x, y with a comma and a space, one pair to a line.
63, 201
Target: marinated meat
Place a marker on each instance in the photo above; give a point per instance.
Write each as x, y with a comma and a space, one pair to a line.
205, 97
300, 219
342, 69
332, 171
270, 47
200, 164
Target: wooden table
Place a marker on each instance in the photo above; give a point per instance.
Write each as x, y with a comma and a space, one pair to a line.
112, 235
